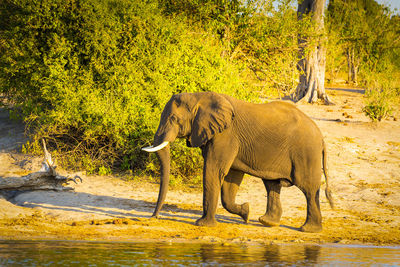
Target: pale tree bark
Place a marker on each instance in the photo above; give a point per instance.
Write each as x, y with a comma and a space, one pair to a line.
312, 55
352, 64
45, 179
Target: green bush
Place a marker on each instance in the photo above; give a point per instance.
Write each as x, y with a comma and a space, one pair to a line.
260, 35
92, 77
356, 45
186, 164
382, 96
377, 110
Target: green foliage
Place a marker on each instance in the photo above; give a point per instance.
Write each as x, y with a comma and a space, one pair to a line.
382, 96
185, 163
268, 45
93, 76
258, 34
377, 109
104, 170
364, 36
33, 147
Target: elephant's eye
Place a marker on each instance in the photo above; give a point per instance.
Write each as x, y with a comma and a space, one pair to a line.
173, 118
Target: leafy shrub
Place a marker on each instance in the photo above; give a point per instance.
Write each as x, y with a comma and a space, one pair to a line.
377, 110
356, 45
104, 170
382, 96
260, 35
186, 164
92, 77
379, 105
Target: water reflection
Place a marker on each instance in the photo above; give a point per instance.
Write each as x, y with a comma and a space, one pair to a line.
42, 253
280, 254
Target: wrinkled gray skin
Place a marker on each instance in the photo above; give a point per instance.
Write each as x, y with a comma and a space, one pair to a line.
275, 142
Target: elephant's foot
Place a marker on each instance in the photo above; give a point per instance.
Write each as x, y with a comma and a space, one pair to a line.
245, 211
269, 221
311, 228
206, 222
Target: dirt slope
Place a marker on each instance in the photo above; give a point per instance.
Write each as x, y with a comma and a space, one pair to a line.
364, 165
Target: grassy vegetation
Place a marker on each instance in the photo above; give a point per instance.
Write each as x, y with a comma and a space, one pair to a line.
382, 96
370, 55
93, 76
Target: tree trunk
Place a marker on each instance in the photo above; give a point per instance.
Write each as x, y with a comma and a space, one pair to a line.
348, 56
41, 180
311, 64
45, 179
352, 65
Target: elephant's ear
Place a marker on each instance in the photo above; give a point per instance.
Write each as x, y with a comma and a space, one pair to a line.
212, 114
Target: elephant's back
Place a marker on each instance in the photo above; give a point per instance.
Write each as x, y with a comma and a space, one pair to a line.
288, 122
303, 133
277, 117
290, 113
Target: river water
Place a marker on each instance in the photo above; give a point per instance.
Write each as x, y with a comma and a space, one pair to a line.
73, 253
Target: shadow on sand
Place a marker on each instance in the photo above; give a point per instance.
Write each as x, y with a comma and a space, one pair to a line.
116, 207
351, 90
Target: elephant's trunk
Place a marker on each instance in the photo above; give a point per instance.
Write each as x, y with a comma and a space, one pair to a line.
165, 159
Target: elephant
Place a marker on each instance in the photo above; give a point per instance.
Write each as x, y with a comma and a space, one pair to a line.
273, 141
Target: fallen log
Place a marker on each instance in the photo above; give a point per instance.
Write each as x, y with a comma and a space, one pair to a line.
45, 179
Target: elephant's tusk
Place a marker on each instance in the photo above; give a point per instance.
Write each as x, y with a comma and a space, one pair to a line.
154, 149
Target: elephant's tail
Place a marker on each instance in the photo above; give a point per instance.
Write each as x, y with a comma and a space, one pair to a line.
328, 192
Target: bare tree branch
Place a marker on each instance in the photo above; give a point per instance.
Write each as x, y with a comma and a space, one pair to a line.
45, 179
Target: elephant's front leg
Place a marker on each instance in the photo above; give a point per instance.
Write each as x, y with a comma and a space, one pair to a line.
211, 188
217, 162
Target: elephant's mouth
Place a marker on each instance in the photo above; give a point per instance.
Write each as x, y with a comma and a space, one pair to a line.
155, 148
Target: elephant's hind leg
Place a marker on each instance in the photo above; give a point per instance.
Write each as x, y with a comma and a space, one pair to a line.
229, 190
313, 222
308, 180
273, 214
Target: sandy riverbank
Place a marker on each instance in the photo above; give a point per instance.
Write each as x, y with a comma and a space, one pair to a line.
364, 164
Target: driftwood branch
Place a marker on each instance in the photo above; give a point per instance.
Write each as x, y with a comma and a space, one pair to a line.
45, 179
